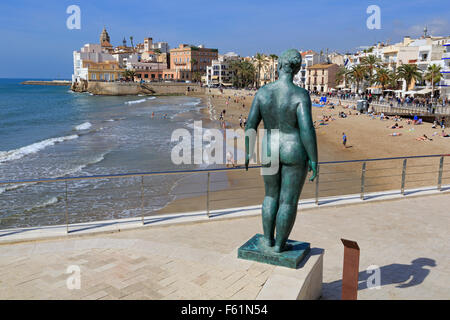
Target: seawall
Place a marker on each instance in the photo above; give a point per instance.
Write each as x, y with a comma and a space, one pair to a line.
134, 88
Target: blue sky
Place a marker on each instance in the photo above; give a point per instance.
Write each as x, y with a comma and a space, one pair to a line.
37, 44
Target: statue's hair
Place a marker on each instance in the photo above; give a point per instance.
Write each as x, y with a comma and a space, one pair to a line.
290, 61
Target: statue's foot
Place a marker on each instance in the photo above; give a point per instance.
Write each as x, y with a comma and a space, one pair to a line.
279, 249
266, 242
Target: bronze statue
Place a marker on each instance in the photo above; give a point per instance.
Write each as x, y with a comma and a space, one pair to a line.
286, 107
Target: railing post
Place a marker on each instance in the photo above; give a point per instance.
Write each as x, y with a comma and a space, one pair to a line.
142, 199
363, 177
207, 194
403, 177
441, 170
67, 210
317, 186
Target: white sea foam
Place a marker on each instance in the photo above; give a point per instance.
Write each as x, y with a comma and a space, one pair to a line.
83, 126
65, 173
32, 148
44, 204
134, 101
194, 103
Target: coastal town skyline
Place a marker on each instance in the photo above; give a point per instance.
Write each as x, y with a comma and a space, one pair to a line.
219, 28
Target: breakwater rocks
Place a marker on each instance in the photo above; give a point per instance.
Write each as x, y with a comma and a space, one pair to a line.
48, 83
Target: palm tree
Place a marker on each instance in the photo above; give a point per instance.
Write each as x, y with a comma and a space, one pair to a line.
273, 57
371, 62
243, 73
384, 77
194, 63
408, 72
129, 74
131, 41
341, 75
259, 59
433, 75
157, 52
357, 74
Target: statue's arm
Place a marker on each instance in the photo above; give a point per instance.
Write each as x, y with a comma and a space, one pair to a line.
307, 132
254, 118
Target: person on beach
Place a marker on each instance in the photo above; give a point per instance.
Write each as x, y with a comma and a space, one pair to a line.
240, 120
344, 139
230, 159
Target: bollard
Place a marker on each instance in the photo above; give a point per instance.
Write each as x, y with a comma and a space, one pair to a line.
350, 270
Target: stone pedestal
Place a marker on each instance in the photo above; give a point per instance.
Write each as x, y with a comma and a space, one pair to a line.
255, 250
304, 283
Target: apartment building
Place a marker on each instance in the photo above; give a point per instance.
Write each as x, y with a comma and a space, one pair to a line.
187, 60
321, 77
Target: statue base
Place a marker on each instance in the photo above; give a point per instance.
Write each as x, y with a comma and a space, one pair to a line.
254, 249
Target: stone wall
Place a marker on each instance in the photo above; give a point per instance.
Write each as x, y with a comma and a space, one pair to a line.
134, 88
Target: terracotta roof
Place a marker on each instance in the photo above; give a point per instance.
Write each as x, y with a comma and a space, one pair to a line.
307, 52
321, 66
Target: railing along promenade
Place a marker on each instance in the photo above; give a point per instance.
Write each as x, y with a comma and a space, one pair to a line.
393, 107
335, 178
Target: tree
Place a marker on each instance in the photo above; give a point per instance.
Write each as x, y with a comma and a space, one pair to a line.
384, 77
356, 75
341, 75
131, 41
371, 62
408, 72
433, 75
243, 73
129, 74
273, 57
260, 59
157, 52
194, 64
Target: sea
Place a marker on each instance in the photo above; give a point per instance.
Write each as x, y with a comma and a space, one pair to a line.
49, 131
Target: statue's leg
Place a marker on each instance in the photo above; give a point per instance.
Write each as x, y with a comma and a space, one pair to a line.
270, 206
292, 180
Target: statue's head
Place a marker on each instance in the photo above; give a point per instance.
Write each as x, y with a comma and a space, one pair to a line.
290, 61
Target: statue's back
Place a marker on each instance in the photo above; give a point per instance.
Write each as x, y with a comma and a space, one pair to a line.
279, 104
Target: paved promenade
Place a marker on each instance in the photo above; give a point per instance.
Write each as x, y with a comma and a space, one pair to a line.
407, 238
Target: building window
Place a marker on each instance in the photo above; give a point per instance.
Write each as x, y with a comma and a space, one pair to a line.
146, 76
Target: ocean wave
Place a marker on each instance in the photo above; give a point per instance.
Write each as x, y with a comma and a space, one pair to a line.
115, 119
83, 126
44, 204
63, 174
139, 101
32, 148
194, 103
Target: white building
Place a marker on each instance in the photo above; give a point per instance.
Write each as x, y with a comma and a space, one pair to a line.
91, 52
220, 72
444, 84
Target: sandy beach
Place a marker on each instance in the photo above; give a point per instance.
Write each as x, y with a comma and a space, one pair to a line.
368, 137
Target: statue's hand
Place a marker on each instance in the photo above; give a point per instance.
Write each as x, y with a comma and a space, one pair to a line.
312, 166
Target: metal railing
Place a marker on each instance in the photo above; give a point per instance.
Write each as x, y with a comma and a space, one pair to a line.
335, 178
398, 108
